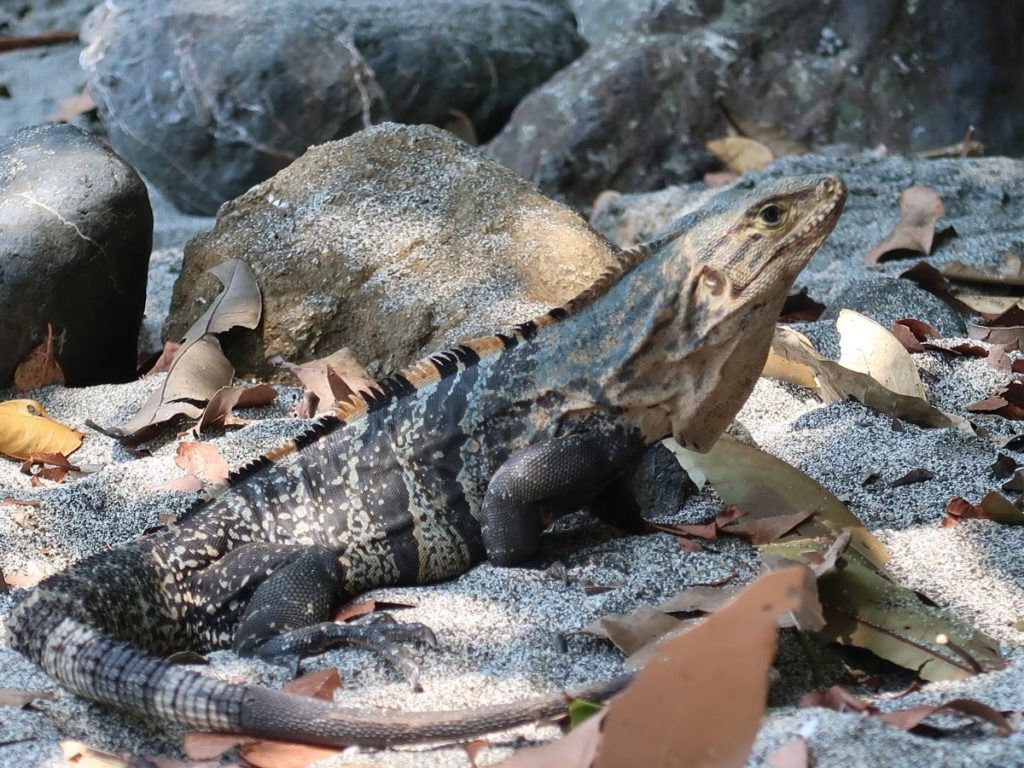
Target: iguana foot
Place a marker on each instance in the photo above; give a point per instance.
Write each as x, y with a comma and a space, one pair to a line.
383, 635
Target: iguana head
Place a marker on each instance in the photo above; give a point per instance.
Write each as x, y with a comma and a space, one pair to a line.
711, 292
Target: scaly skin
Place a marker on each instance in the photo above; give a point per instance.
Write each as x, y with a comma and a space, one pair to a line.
465, 455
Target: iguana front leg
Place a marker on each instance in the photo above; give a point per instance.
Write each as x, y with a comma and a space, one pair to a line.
547, 480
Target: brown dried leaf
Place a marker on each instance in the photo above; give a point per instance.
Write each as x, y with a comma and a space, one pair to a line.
81, 755
218, 410
793, 754
913, 333
209, 746
919, 475
767, 529
282, 754
197, 372
778, 142
632, 631
460, 124
365, 607
800, 308
333, 378
47, 466
994, 506
765, 486
13, 698
34, 573
1009, 272
920, 209
867, 347
204, 460
187, 483
239, 303
40, 367
928, 278
163, 362
740, 154
73, 106
1007, 402
26, 428
315, 685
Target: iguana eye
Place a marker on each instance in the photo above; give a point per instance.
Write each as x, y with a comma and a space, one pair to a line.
772, 214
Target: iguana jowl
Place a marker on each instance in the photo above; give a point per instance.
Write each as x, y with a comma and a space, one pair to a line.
464, 456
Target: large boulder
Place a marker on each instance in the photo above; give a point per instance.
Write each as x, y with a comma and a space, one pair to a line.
75, 236
208, 97
633, 113
395, 241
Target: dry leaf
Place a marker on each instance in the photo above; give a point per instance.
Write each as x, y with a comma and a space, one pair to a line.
793, 754
12, 698
239, 303
217, 412
765, 487
80, 755
163, 362
920, 209
460, 124
1007, 402
39, 368
867, 347
777, 142
26, 428
1009, 272
315, 685
913, 476
186, 483
34, 573
364, 607
332, 379
56, 37
699, 700
928, 278
204, 460
800, 308
197, 372
47, 466
73, 106
740, 155
835, 382
994, 506
913, 334
766, 529
209, 746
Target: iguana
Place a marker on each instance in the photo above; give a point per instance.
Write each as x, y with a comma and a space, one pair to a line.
465, 455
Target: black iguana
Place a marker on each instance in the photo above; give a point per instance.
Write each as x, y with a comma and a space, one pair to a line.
465, 455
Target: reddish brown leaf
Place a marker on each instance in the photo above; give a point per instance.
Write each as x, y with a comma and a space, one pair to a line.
792, 754
204, 460
1007, 402
316, 685
920, 209
188, 483
209, 746
727, 515
762, 530
21, 502
34, 573
919, 475
226, 399
40, 367
12, 698
909, 719
364, 607
707, 531
56, 37
163, 363
282, 754
994, 506
838, 699
333, 378
800, 308
911, 333
473, 749
930, 279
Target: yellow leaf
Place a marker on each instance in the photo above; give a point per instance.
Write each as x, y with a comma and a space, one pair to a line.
740, 154
25, 428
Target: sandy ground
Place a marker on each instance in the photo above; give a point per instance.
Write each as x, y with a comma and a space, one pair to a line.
507, 633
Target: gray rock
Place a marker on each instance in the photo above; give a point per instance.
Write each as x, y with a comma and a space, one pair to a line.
75, 236
394, 242
36, 17
633, 113
208, 97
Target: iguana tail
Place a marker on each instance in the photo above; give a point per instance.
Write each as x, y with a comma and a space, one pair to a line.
112, 672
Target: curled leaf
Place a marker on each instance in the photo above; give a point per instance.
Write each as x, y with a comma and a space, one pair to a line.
920, 209
26, 428
40, 367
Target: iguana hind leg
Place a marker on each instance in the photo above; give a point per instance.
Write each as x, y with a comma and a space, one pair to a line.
288, 616
541, 483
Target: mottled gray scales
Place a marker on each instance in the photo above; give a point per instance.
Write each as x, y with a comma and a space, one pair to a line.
466, 455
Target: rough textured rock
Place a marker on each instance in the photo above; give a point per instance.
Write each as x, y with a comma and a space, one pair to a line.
36, 17
208, 97
75, 236
394, 241
984, 201
633, 112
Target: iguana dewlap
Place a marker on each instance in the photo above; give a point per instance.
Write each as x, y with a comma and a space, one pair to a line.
464, 456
